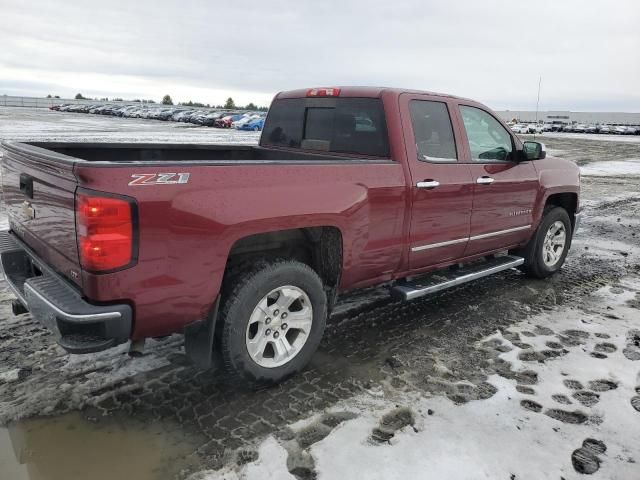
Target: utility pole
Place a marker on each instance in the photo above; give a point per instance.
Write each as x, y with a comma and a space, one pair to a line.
538, 101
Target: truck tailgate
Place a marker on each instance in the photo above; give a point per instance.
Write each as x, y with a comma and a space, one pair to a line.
39, 191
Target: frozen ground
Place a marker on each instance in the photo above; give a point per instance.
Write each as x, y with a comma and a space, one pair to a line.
612, 168
503, 378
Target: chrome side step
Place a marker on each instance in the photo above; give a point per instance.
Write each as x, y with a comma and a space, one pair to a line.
443, 279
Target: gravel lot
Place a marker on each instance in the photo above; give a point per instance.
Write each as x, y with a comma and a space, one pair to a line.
502, 378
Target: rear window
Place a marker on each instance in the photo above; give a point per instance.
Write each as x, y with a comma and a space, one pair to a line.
341, 125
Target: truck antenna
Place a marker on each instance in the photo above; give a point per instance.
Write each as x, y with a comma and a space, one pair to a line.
537, 105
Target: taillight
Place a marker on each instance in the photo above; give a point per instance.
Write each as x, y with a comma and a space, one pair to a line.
104, 227
323, 92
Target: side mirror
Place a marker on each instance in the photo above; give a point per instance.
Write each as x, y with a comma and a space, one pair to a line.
534, 150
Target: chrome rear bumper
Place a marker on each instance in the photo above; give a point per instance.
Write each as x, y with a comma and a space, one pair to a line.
79, 326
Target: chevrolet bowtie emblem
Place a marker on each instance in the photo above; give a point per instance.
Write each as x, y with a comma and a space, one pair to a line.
28, 211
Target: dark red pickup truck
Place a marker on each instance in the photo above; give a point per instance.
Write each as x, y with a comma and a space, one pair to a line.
244, 249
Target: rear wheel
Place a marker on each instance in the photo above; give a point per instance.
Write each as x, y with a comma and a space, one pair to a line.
546, 251
273, 320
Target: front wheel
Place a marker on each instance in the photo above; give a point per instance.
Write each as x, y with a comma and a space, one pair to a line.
547, 250
273, 320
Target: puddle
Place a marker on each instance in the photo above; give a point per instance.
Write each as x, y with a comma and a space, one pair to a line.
70, 447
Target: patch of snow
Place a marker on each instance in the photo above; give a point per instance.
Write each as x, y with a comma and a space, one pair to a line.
612, 168
270, 465
605, 248
10, 375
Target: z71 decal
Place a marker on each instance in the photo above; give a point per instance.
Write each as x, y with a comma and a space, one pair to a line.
158, 179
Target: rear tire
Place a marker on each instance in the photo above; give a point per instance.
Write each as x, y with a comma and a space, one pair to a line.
273, 315
548, 248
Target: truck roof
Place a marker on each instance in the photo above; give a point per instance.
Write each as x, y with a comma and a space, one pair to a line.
363, 91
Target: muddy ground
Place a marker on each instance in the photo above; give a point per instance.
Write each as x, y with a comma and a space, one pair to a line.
426, 347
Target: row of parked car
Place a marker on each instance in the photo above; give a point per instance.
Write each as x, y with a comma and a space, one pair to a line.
575, 128
252, 121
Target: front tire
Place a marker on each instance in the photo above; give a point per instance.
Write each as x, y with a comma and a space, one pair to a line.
547, 250
273, 317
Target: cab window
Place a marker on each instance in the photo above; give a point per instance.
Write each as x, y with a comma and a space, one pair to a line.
488, 139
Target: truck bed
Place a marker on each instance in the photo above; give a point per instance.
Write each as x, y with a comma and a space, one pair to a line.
178, 152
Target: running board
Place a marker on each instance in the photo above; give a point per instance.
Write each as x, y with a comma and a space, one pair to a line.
443, 279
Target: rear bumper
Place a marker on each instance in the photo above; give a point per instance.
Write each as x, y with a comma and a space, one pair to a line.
79, 326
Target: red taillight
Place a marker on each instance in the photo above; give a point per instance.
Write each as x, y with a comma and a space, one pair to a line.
323, 92
104, 227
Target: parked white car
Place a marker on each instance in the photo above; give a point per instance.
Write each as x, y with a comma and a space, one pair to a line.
520, 128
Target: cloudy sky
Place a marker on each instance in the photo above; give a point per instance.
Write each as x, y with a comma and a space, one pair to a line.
587, 52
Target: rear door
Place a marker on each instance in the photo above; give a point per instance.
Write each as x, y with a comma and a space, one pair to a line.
504, 189
38, 191
442, 188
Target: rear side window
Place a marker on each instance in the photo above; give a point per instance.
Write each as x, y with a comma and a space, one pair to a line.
340, 125
433, 131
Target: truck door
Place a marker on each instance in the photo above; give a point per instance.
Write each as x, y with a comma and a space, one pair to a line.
442, 188
504, 189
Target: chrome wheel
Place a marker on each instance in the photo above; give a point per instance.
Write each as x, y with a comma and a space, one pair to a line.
554, 243
279, 326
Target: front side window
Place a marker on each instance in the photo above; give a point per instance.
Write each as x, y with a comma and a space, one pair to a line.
433, 131
488, 139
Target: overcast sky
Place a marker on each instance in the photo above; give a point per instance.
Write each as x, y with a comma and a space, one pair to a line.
587, 52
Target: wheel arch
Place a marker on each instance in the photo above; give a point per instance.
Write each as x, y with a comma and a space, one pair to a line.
566, 200
320, 247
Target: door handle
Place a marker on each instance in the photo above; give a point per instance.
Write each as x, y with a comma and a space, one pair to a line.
428, 184
485, 180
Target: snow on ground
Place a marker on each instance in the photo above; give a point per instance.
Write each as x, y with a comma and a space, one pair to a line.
582, 413
612, 168
589, 136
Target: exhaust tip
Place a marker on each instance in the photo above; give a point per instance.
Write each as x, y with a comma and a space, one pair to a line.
18, 308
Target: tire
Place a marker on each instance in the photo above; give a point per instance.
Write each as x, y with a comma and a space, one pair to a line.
245, 325
538, 262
